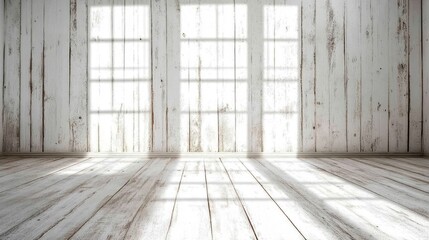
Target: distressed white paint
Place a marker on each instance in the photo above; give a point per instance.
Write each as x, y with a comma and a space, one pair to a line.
12, 68
229, 76
415, 76
425, 7
2, 37
56, 86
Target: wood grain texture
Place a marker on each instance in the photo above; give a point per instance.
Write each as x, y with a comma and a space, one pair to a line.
25, 93
214, 198
12, 72
398, 75
425, 39
415, 76
56, 84
78, 76
2, 38
201, 76
353, 74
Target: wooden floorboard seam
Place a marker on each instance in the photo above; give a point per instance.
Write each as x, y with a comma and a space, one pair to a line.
240, 200
113, 195
290, 220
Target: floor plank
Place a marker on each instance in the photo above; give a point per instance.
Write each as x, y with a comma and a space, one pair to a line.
268, 221
152, 220
309, 213
20, 209
67, 214
44, 168
229, 220
373, 180
191, 216
114, 218
214, 198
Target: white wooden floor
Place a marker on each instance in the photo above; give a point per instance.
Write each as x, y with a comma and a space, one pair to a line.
289, 198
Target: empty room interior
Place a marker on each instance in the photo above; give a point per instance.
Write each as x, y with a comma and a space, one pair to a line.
214, 119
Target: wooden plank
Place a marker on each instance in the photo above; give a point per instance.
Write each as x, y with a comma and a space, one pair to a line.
207, 27
322, 110
269, 112
255, 62
313, 217
228, 218
353, 73
308, 75
420, 162
56, 82
335, 49
191, 214
417, 174
190, 20
282, 76
109, 219
267, 219
159, 74
79, 204
242, 77
37, 76
405, 198
100, 98
177, 85
23, 208
290, 28
380, 83
367, 36
23, 165
415, 76
78, 75
45, 168
398, 75
25, 84
355, 206
152, 219
425, 39
145, 89
225, 69
27, 190
2, 38
118, 95
12, 72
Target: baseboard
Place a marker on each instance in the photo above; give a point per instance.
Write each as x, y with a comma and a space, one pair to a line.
214, 154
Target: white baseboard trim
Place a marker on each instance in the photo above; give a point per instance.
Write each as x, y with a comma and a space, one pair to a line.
214, 155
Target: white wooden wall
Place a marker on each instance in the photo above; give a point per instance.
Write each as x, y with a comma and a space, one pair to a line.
2, 29
425, 10
213, 75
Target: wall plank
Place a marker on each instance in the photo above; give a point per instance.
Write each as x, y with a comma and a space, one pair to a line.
415, 76
159, 74
246, 75
56, 73
177, 85
242, 77
425, 10
353, 73
398, 75
380, 70
367, 35
12, 69
330, 115
37, 76
25, 101
78, 75
308, 77
2, 37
